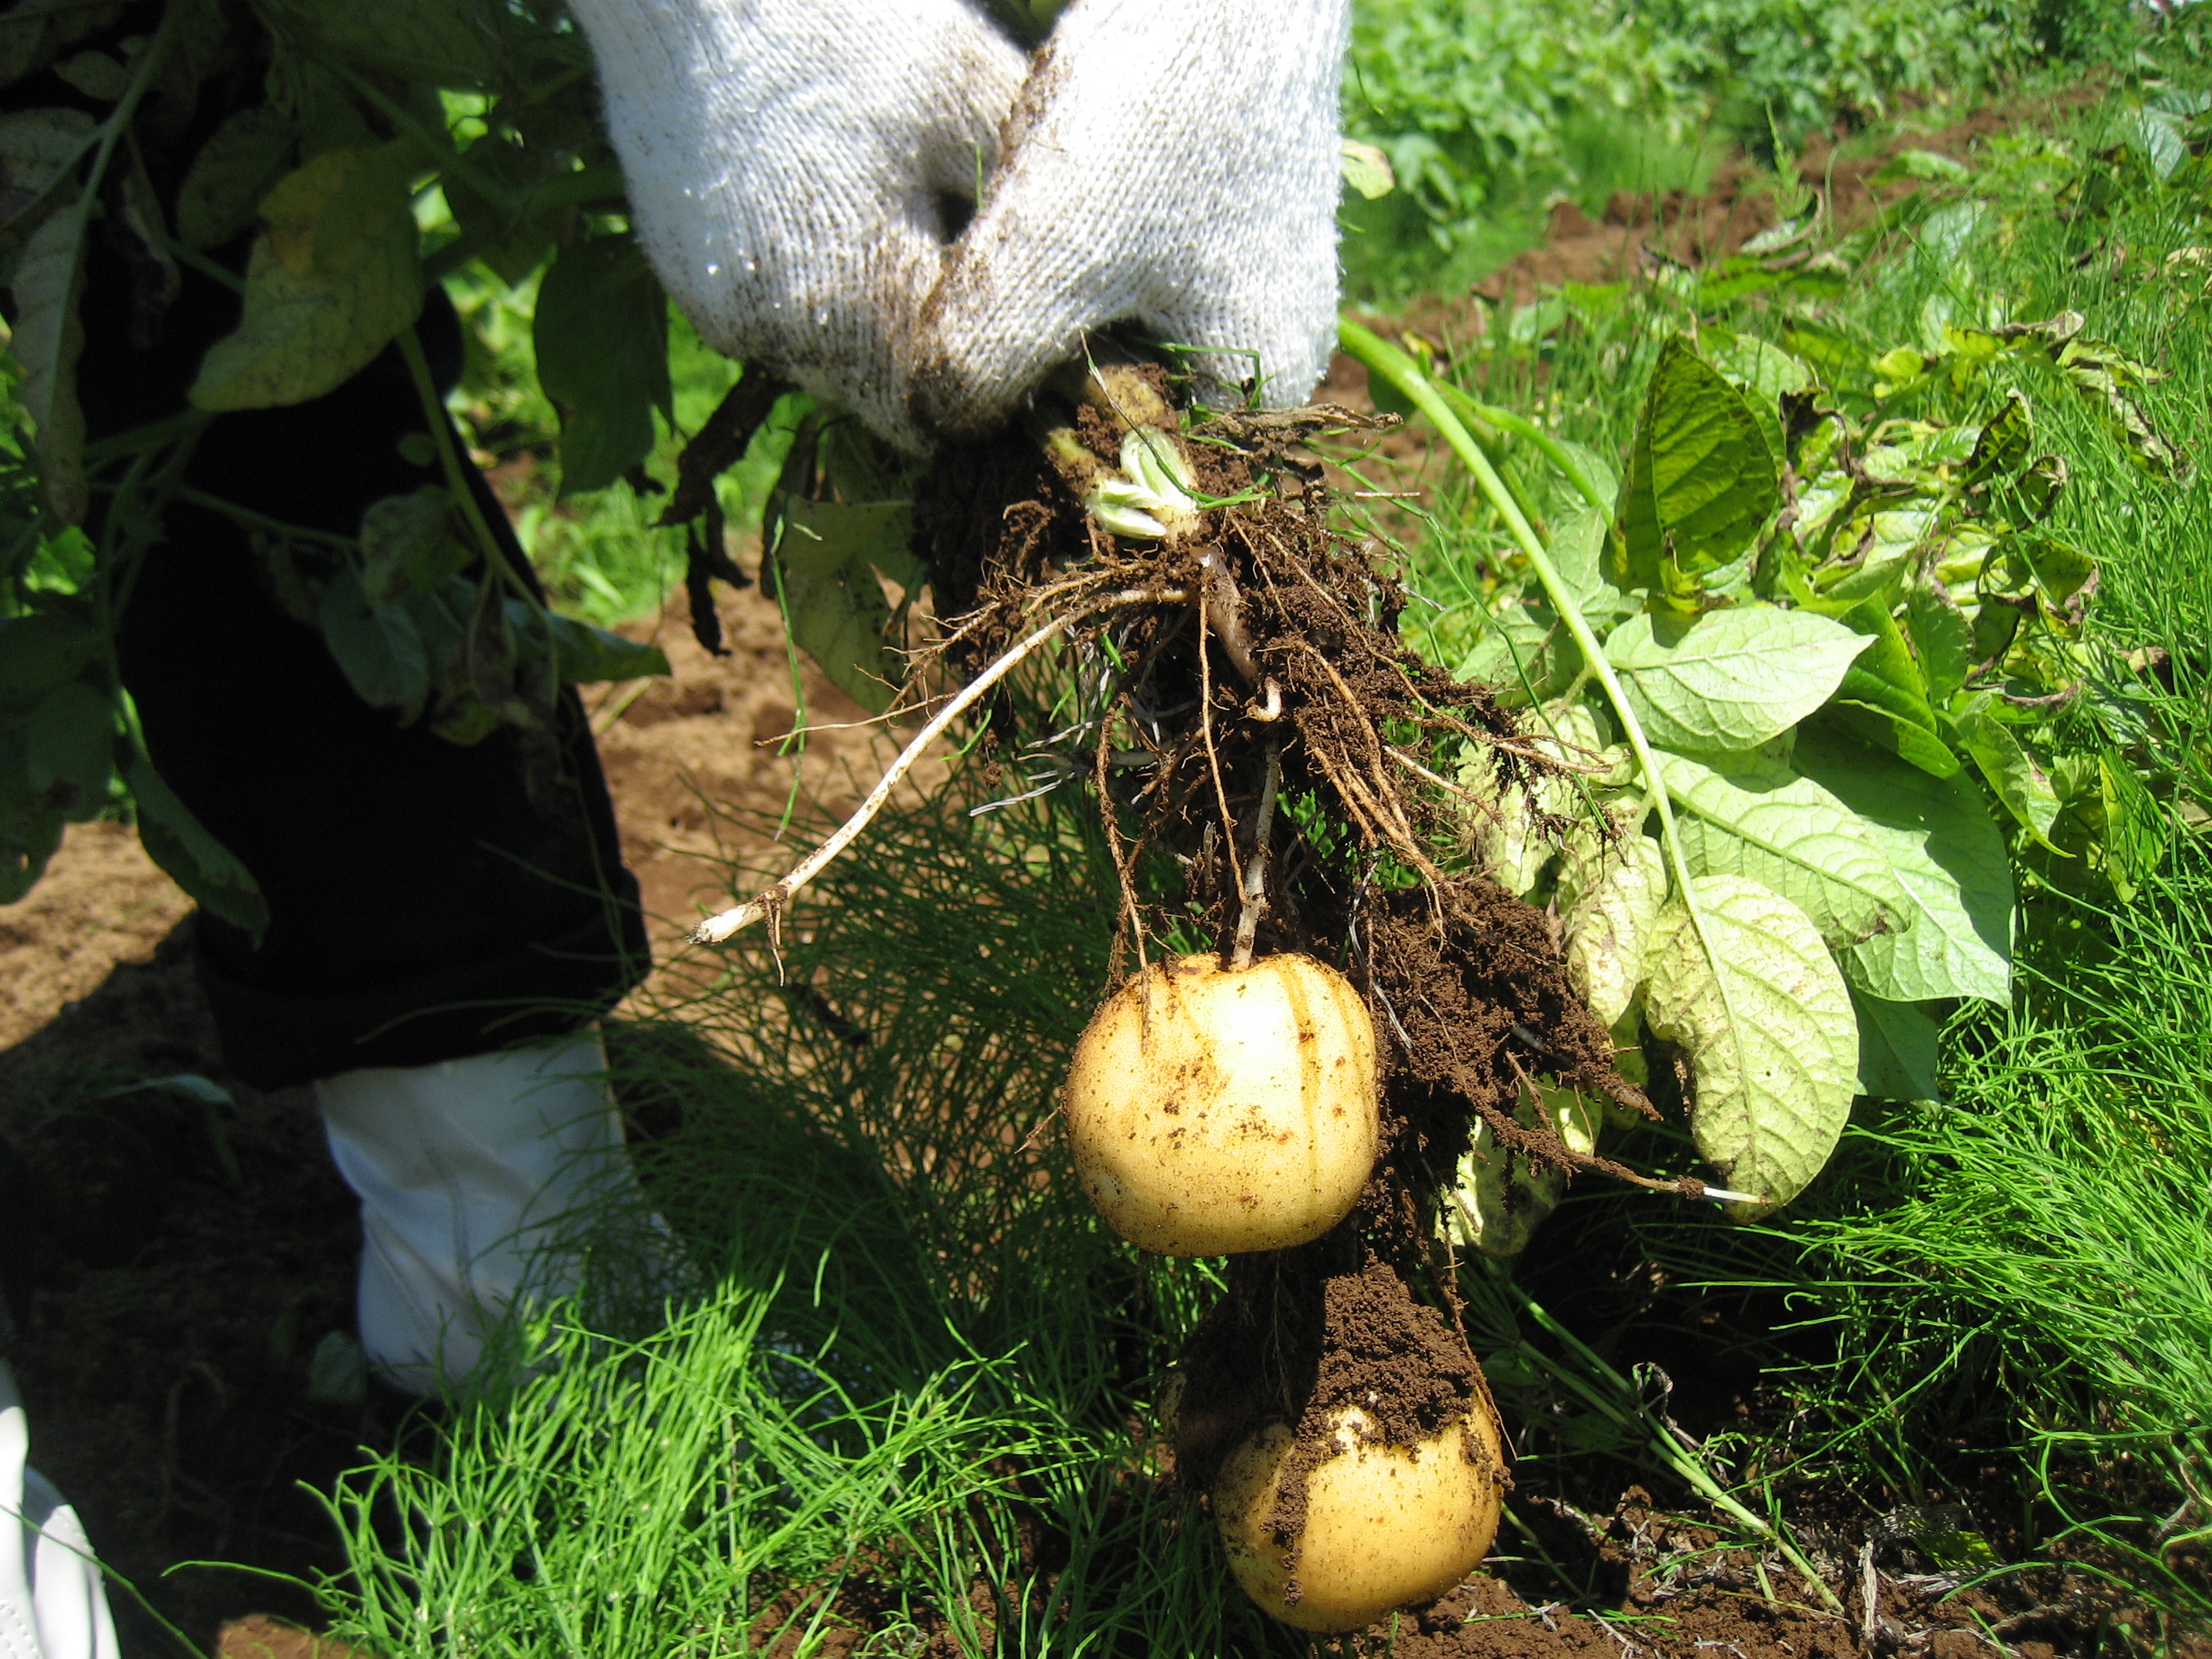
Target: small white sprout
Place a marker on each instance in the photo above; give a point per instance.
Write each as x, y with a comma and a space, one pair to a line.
1152, 458
1153, 492
1124, 508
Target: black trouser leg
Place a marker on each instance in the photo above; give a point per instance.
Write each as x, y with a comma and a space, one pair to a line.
428, 900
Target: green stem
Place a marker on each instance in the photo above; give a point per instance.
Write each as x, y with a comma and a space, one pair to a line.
496, 563
1521, 427
253, 520
184, 426
449, 459
184, 254
1402, 372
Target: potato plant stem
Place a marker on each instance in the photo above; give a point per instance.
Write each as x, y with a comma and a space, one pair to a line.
771, 899
1400, 371
439, 427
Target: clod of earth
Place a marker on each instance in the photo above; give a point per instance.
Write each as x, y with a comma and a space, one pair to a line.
1215, 1110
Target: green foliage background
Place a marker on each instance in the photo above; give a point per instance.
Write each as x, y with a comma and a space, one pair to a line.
1487, 108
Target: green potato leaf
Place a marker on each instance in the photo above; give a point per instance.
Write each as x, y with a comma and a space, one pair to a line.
1883, 697
1755, 817
29, 837
408, 545
1767, 1025
1767, 374
2060, 570
438, 43
1700, 477
378, 648
1524, 650
2002, 448
47, 339
586, 655
1947, 856
332, 279
30, 828
1501, 1197
828, 556
194, 860
2135, 825
1507, 845
491, 197
601, 334
1942, 635
1732, 678
30, 37
39, 149
1365, 169
238, 166
1899, 1052
42, 651
69, 748
2019, 783
1610, 926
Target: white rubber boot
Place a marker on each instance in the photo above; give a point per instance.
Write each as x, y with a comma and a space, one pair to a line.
471, 1174
51, 1603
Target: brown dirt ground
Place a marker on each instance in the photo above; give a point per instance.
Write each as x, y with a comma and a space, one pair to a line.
192, 1261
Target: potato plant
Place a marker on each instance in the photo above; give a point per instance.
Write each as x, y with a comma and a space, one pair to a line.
1842, 649
1781, 686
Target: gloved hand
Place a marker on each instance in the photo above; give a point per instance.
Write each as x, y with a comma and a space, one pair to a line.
789, 164
1173, 163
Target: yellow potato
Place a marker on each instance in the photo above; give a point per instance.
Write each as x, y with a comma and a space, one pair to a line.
1385, 1525
1215, 1111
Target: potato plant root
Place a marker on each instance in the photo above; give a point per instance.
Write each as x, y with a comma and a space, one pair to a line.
1285, 667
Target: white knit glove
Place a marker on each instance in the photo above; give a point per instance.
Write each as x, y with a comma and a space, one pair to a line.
788, 163
1172, 162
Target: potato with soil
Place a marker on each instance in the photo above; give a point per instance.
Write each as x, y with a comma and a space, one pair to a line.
1216, 1111
1380, 1526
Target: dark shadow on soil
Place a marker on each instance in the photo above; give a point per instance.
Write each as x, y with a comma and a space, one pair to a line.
184, 1260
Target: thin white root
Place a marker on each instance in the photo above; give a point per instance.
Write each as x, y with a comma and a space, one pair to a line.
770, 902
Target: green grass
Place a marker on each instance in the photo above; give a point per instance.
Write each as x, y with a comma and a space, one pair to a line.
1491, 110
